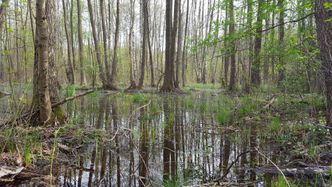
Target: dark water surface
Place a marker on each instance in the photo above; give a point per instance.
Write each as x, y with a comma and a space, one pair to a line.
159, 140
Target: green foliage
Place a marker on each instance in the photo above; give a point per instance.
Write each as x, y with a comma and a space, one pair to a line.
275, 125
247, 106
70, 91
140, 98
224, 115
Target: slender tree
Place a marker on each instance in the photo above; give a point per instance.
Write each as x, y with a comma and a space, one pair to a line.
112, 79
323, 9
232, 46
45, 110
70, 67
144, 35
255, 69
80, 41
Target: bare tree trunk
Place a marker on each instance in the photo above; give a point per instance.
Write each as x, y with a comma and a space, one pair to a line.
232, 46
18, 60
42, 47
179, 47
70, 68
112, 80
103, 24
96, 44
281, 41
171, 31
80, 42
324, 35
144, 35
184, 55
130, 44
3, 11
255, 69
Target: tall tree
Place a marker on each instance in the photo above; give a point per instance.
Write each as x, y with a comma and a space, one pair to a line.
80, 41
281, 41
112, 79
255, 69
103, 24
70, 68
144, 35
45, 110
96, 44
232, 45
323, 9
171, 32
3, 10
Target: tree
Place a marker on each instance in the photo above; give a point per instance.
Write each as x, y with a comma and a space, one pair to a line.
323, 9
112, 79
144, 35
281, 41
80, 41
232, 46
171, 31
255, 69
45, 110
97, 49
3, 10
70, 67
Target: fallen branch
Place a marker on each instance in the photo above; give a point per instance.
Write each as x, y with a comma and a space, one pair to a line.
282, 173
31, 113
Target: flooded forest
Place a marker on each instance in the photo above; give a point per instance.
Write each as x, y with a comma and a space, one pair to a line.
154, 93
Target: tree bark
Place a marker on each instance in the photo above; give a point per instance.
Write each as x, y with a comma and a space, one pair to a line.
112, 80
97, 49
80, 42
232, 46
103, 24
42, 47
255, 69
70, 68
324, 35
281, 41
3, 11
171, 31
144, 35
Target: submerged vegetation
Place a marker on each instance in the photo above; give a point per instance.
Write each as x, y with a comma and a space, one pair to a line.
107, 135
166, 93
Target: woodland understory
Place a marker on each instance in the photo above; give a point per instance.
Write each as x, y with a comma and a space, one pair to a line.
165, 93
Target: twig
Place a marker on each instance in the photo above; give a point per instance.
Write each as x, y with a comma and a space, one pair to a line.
283, 175
230, 166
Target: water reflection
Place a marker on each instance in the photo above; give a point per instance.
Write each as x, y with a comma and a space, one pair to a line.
157, 141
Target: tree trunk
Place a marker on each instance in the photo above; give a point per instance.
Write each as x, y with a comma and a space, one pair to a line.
3, 10
184, 55
42, 51
255, 69
179, 51
112, 85
168, 85
144, 30
324, 35
103, 24
130, 44
281, 41
97, 49
80, 42
70, 68
232, 46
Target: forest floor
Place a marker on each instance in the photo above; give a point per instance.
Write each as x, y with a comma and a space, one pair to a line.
267, 138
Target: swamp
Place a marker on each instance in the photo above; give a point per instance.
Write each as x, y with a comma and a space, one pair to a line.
153, 93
